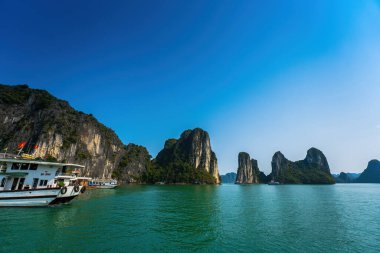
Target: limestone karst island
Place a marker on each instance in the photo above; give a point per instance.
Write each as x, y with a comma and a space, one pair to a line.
190, 126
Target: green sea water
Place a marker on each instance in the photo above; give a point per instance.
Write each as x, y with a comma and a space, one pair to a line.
225, 218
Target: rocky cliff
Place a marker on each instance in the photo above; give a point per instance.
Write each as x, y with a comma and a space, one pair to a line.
248, 171
61, 132
188, 159
371, 174
133, 164
314, 169
316, 157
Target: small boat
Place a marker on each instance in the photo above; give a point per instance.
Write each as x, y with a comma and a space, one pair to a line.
272, 182
102, 183
27, 182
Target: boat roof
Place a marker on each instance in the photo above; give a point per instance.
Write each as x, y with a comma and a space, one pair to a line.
11, 160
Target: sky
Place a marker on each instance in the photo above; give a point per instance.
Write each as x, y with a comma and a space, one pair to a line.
259, 76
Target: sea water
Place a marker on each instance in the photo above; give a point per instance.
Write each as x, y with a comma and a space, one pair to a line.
202, 218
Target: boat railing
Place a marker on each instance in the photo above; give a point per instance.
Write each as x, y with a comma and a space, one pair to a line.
9, 155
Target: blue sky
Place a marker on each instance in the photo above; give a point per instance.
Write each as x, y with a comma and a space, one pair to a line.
259, 77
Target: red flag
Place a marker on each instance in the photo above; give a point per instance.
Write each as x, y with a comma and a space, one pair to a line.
21, 145
36, 147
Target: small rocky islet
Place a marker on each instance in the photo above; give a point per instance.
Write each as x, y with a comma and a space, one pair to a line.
66, 135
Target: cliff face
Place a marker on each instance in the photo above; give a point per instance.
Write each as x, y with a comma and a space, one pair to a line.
133, 164
315, 156
279, 165
371, 174
314, 169
247, 172
61, 132
193, 148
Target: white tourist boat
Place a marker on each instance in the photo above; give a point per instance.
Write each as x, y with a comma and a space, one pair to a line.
102, 183
37, 183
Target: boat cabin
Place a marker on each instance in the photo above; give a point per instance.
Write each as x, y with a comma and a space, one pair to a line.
20, 174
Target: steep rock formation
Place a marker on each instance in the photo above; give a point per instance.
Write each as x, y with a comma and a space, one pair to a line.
371, 174
279, 165
314, 169
192, 149
315, 156
228, 178
247, 172
60, 131
133, 164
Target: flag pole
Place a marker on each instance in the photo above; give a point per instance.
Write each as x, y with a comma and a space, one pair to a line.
21, 146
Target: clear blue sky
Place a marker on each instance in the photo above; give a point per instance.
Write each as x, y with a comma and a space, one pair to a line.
259, 76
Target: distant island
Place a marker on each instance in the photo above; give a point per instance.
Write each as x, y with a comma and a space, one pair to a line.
314, 169
370, 175
228, 178
344, 177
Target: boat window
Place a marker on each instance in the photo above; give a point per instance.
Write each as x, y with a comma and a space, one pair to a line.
43, 182
33, 166
21, 183
24, 166
15, 166
35, 182
14, 183
3, 182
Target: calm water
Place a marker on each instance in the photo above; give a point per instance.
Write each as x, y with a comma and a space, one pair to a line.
227, 218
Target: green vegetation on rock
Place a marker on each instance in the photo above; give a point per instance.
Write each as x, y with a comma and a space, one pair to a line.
177, 172
187, 160
314, 169
133, 164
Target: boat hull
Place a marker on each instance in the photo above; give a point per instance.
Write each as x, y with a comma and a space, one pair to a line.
62, 200
28, 198
66, 197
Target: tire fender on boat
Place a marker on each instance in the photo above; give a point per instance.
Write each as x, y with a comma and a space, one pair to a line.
76, 188
83, 189
63, 190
